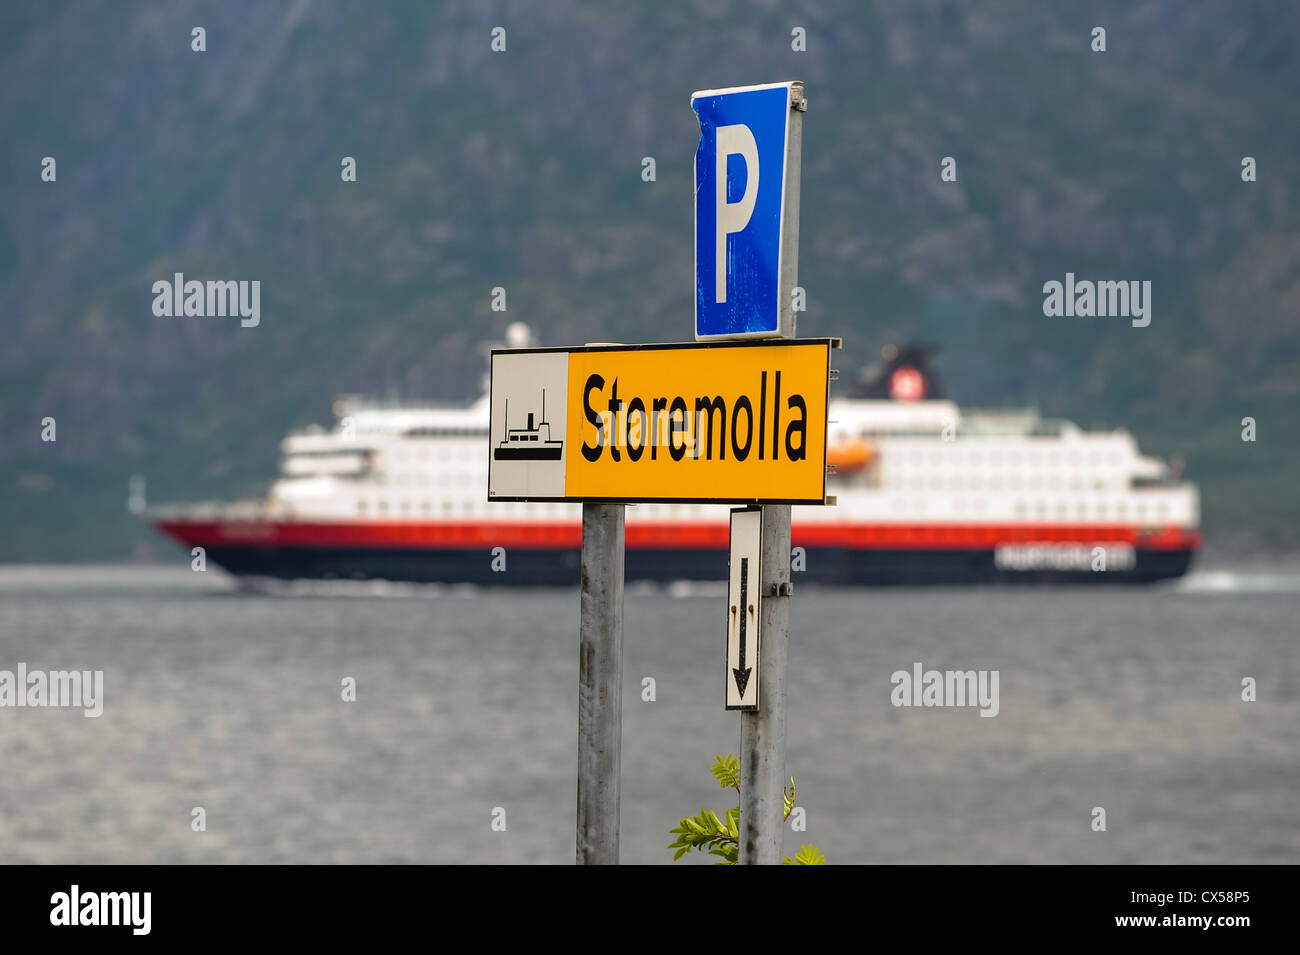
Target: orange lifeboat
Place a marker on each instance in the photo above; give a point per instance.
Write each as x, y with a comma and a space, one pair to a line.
849, 456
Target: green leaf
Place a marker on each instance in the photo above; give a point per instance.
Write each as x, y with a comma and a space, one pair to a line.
733, 822
809, 855
720, 836
726, 770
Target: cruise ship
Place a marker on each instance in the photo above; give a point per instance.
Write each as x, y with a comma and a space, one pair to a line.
925, 493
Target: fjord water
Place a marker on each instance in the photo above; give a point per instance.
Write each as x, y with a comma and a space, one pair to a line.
1127, 699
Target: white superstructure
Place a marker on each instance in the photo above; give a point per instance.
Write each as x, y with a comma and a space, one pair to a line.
894, 462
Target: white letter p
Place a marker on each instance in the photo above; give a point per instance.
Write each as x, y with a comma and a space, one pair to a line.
735, 140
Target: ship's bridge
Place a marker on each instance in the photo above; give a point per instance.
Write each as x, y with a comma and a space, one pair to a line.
865, 418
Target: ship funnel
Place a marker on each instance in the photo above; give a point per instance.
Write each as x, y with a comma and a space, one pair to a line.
901, 374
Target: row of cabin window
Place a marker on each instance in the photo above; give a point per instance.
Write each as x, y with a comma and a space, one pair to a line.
445, 433
448, 506
1098, 511
429, 478
994, 482
428, 452
955, 455
1082, 510
405, 507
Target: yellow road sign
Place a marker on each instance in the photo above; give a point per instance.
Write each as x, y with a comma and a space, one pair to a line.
717, 422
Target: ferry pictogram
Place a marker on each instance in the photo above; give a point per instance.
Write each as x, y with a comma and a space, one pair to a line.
531, 443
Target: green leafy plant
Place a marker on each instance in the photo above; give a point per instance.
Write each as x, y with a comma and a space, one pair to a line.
721, 836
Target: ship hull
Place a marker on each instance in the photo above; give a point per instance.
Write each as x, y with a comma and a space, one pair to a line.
491, 557
555, 568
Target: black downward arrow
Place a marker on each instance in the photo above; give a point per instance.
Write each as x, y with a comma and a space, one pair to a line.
742, 672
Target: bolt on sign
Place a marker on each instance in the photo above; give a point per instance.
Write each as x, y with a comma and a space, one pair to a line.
739, 422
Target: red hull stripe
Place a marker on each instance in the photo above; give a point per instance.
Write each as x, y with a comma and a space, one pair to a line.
471, 535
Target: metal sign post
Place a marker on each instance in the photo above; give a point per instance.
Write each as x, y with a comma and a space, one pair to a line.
746, 269
600, 684
762, 731
612, 424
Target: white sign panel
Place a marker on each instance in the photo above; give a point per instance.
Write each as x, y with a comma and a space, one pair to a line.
744, 608
529, 415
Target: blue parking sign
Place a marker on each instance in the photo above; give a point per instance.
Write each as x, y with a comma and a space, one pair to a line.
746, 181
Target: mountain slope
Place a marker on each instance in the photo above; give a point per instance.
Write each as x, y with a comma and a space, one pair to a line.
522, 169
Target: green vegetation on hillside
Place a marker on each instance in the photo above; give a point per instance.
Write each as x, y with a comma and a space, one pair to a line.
522, 169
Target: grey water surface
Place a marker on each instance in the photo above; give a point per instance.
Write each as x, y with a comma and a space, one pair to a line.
1126, 699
